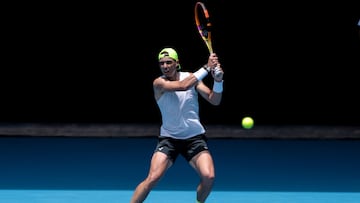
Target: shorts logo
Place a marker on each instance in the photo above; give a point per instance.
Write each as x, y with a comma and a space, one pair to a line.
160, 148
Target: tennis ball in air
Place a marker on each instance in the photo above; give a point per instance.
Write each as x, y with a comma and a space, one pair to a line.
247, 122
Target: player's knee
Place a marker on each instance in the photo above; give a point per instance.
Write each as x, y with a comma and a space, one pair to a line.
153, 180
208, 178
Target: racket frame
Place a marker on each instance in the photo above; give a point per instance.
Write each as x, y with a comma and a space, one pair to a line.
204, 30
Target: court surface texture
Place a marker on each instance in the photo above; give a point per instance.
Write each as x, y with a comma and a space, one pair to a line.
95, 169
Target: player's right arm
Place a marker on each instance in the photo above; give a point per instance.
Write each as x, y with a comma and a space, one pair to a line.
162, 84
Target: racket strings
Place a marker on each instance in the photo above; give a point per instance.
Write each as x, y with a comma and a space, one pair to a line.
202, 20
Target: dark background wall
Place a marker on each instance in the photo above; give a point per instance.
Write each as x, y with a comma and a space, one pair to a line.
285, 63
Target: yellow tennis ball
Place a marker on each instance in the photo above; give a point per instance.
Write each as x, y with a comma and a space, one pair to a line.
247, 122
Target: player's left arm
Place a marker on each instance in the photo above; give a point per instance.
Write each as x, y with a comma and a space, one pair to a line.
213, 95
208, 94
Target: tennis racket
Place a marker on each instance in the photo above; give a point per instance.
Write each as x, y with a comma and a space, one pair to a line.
203, 25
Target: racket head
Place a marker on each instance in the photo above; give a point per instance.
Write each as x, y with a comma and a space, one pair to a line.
203, 24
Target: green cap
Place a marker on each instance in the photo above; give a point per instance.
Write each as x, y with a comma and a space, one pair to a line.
170, 52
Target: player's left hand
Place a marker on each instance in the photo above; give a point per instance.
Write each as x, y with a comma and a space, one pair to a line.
215, 67
217, 73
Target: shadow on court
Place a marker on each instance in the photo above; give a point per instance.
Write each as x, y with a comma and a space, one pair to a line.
83, 163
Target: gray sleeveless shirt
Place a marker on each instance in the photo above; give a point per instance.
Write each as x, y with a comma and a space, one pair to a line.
180, 113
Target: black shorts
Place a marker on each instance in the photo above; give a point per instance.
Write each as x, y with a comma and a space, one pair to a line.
188, 148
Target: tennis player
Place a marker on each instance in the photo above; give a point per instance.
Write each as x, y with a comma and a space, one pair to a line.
181, 132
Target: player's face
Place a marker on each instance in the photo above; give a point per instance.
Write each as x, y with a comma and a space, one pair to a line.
168, 66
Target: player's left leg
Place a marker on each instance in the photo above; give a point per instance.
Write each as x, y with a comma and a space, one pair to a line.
204, 165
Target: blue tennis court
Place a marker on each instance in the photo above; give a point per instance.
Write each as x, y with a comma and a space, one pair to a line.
100, 169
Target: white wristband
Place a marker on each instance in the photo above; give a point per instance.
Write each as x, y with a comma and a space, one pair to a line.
200, 74
218, 86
